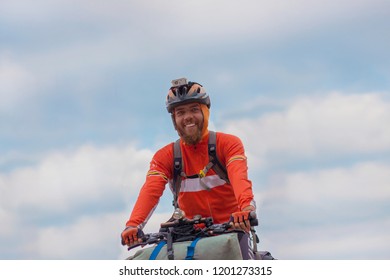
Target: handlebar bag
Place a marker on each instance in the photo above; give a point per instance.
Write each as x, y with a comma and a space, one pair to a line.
219, 247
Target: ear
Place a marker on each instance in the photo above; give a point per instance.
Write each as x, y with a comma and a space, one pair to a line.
206, 116
173, 120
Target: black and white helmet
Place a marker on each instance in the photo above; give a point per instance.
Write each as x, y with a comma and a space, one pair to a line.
183, 92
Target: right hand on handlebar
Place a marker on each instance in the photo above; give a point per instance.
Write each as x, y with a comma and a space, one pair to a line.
244, 220
131, 236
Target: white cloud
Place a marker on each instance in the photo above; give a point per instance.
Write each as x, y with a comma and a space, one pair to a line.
156, 21
335, 213
332, 125
103, 36
63, 180
17, 83
363, 182
90, 237
8, 221
360, 241
243, 18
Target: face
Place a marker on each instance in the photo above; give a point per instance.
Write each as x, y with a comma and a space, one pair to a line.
189, 122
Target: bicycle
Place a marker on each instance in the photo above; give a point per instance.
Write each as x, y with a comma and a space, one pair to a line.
185, 238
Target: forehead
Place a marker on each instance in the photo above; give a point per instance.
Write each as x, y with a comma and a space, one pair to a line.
187, 106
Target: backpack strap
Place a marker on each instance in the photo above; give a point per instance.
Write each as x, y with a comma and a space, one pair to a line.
217, 165
177, 169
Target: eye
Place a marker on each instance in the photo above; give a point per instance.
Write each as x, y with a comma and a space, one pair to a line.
179, 113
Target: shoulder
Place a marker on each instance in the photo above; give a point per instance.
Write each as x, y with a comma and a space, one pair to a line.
229, 145
225, 138
165, 152
163, 159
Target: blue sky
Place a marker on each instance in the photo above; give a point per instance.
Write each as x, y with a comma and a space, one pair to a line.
304, 84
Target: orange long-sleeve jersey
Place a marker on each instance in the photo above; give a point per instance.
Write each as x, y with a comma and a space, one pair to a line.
218, 200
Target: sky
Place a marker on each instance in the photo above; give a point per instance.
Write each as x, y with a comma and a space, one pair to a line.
304, 84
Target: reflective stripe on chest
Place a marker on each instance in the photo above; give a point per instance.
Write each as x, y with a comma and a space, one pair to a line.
201, 184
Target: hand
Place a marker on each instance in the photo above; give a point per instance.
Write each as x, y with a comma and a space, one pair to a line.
130, 236
240, 220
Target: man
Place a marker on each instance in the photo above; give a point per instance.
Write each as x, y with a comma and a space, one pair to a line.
207, 195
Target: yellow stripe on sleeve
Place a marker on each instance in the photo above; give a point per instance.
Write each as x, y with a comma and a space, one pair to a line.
157, 173
234, 158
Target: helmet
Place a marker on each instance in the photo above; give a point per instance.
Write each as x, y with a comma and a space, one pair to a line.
183, 92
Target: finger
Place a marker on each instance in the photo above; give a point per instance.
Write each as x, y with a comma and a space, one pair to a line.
237, 219
130, 237
243, 226
125, 240
246, 227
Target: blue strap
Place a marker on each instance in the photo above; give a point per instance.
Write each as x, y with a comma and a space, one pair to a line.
157, 250
191, 249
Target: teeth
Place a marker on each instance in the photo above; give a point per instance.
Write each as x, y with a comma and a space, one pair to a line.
190, 125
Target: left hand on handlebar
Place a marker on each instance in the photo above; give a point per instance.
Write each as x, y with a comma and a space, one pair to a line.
244, 219
240, 221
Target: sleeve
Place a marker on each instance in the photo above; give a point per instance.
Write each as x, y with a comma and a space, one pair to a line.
158, 175
233, 155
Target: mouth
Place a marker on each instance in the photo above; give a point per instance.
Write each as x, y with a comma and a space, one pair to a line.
190, 128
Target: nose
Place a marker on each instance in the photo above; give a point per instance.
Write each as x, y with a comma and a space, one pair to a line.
188, 116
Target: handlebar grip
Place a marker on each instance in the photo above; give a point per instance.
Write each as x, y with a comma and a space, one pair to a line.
140, 234
253, 219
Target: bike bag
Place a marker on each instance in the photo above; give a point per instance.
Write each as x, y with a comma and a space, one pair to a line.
220, 247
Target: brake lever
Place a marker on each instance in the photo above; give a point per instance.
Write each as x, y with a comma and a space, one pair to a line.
136, 245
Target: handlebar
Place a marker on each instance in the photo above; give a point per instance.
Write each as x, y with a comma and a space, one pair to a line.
208, 221
210, 228
181, 222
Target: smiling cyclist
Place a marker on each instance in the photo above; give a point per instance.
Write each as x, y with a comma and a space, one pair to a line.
199, 188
